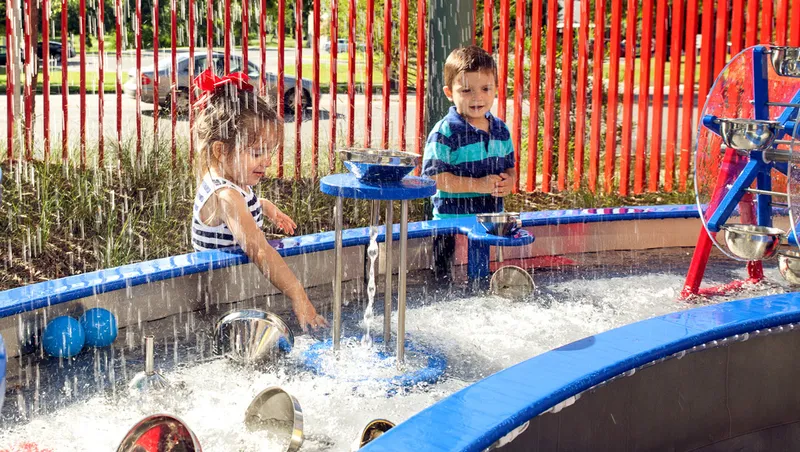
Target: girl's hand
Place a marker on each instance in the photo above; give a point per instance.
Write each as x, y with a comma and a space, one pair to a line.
284, 222
307, 316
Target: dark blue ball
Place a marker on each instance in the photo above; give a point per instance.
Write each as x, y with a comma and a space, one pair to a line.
100, 326
63, 337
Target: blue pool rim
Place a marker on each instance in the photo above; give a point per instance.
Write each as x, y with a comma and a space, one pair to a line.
480, 414
435, 365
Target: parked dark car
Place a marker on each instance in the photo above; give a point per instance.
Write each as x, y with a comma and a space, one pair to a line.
55, 51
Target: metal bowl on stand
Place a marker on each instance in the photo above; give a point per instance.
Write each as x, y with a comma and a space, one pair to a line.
252, 336
748, 134
500, 224
752, 242
277, 412
785, 60
160, 432
378, 165
789, 266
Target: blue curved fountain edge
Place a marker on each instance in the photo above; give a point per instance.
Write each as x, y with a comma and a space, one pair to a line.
480, 414
39, 295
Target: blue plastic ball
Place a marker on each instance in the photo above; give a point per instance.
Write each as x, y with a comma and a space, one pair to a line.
63, 337
100, 327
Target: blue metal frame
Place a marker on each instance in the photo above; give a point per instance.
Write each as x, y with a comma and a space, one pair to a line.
479, 243
480, 414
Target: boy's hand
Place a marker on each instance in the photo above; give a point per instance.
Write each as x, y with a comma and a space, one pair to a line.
307, 316
284, 222
487, 184
503, 186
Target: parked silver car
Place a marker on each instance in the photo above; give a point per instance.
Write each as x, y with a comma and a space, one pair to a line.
201, 64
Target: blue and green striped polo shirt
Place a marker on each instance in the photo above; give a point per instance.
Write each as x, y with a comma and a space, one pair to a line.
457, 147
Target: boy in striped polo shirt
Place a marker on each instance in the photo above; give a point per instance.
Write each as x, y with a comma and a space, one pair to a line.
469, 152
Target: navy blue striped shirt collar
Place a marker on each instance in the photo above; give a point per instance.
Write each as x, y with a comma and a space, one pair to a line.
459, 124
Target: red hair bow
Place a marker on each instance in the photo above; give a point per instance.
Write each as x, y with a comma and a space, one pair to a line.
210, 83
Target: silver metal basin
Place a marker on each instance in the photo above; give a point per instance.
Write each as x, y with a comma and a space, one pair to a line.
789, 266
748, 134
752, 242
371, 432
502, 223
785, 60
277, 412
169, 432
378, 165
252, 336
513, 282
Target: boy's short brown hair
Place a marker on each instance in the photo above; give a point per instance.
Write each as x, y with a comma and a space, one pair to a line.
468, 59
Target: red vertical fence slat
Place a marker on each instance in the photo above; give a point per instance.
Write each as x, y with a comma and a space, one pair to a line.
281, 70
387, 64
245, 33
314, 92
658, 95
191, 30
721, 37
209, 34
598, 61
403, 63
262, 50
627, 99
174, 79
706, 59
298, 92
10, 80
29, 82
613, 87
156, 93
82, 21
781, 22
767, 8
227, 38
488, 24
118, 29
519, 63
351, 74
101, 57
474, 20
368, 87
64, 86
566, 95
644, 96
422, 15
45, 11
549, 95
751, 36
138, 33
502, 92
737, 26
674, 87
688, 93
794, 33
535, 78
580, 96
333, 91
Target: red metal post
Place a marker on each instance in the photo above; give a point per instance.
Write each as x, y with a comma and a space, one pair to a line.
10, 36
751, 36
519, 63
174, 79
245, 33
298, 92
535, 79
580, 96
721, 38
100, 81
502, 91
794, 33
351, 74
422, 15
403, 63
658, 95
334, 85
209, 34
737, 27
781, 16
549, 94
597, 93
262, 49
64, 85
45, 11
138, 33
281, 106
644, 96
566, 95
315, 92
474, 20
706, 60
227, 40
156, 93
29, 69
368, 87
488, 24
82, 20
118, 29
191, 78
766, 21
613, 86
387, 64
627, 99
688, 93
674, 86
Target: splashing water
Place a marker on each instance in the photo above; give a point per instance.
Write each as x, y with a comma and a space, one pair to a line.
369, 314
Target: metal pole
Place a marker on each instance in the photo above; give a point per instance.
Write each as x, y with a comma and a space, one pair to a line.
337, 278
401, 284
387, 304
149, 367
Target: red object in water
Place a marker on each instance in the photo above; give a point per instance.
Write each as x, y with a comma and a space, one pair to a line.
26, 447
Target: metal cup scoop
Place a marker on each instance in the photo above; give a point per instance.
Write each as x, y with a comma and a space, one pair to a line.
149, 380
277, 412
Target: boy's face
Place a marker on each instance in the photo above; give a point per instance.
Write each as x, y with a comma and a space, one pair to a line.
472, 94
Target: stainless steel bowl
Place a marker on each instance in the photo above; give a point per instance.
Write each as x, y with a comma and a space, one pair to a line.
785, 60
789, 266
512, 282
752, 242
277, 412
378, 165
252, 336
167, 432
371, 432
502, 223
748, 134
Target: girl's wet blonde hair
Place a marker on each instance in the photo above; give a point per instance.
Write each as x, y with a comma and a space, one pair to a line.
233, 117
